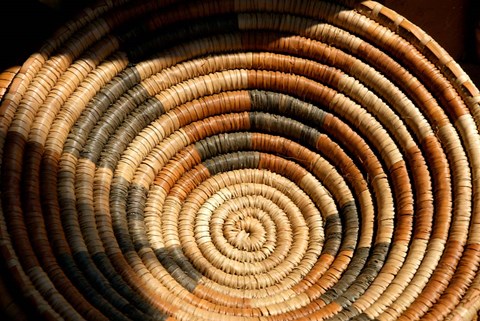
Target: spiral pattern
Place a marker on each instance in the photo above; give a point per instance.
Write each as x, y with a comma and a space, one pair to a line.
241, 160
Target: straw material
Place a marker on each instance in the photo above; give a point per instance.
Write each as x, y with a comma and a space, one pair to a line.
266, 160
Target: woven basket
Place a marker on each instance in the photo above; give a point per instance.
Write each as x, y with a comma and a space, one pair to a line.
240, 160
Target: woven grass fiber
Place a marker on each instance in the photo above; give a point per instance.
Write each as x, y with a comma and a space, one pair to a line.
267, 160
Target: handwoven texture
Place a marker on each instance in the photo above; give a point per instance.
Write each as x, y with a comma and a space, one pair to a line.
240, 160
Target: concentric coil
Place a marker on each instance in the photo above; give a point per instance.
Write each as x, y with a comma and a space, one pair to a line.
241, 160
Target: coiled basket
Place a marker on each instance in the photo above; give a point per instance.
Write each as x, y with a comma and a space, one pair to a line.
267, 160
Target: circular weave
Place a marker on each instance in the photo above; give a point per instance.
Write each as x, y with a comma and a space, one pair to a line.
240, 160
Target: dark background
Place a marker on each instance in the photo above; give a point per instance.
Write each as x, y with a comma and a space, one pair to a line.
25, 24
454, 24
